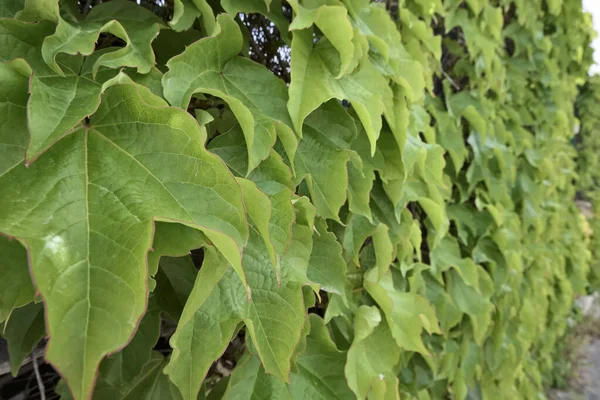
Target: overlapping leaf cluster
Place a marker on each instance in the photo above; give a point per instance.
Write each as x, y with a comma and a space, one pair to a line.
587, 142
413, 181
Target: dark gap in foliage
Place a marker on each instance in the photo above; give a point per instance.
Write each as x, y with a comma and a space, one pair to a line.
24, 385
320, 306
161, 8
224, 366
509, 45
106, 40
266, 46
197, 257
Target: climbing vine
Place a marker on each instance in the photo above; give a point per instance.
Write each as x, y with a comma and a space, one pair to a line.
378, 200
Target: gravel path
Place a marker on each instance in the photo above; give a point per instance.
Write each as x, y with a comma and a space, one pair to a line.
587, 385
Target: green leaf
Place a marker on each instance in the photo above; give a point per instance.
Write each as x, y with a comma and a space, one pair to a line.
391, 58
326, 266
237, 80
16, 289
258, 208
186, 11
135, 25
250, 381
172, 240
319, 373
296, 259
9, 8
151, 383
313, 83
358, 229
407, 313
23, 40
23, 331
273, 315
34, 10
13, 100
174, 283
384, 249
119, 371
469, 301
332, 20
360, 182
56, 107
103, 170
372, 355
321, 158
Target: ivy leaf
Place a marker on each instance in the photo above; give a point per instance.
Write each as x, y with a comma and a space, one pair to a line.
360, 182
23, 40
119, 371
173, 240
9, 8
273, 316
319, 373
34, 10
407, 313
358, 229
332, 20
237, 80
314, 83
132, 23
13, 100
23, 331
322, 156
297, 256
174, 283
320, 367
258, 208
372, 355
108, 169
185, 13
16, 289
384, 249
326, 266
391, 58
56, 106
471, 302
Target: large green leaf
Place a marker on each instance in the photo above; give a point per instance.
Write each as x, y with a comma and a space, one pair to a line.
113, 168
135, 25
273, 312
372, 356
185, 13
319, 373
407, 313
326, 265
313, 83
56, 107
332, 20
322, 156
255, 95
390, 56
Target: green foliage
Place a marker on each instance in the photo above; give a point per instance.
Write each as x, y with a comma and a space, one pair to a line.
412, 183
587, 142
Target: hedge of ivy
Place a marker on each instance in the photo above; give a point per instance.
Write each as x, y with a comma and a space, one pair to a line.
389, 215
587, 142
